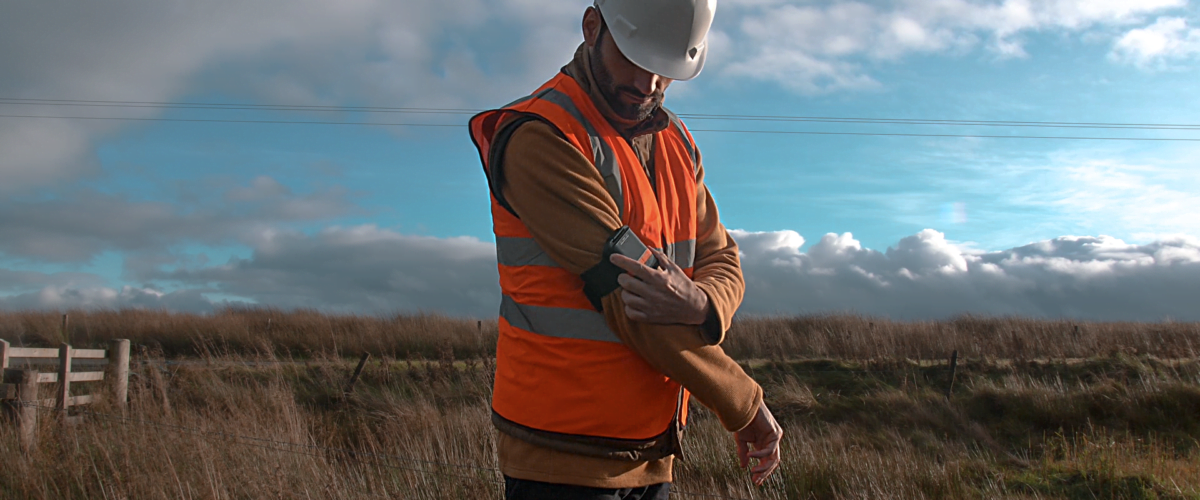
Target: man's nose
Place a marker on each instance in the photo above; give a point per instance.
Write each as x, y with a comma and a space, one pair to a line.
646, 82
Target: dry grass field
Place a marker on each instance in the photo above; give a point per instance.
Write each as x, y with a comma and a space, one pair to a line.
248, 404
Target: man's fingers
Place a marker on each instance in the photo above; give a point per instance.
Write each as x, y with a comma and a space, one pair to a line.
764, 469
631, 284
763, 453
764, 462
766, 449
665, 261
631, 266
634, 301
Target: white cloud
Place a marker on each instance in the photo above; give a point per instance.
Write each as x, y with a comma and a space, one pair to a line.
365, 269
926, 276
455, 53
431, 53
1129, 198
1169, 38
100, 297
78, 225
822, 47
19, 281
359, 269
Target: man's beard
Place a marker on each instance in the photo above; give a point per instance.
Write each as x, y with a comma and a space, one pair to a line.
612, 92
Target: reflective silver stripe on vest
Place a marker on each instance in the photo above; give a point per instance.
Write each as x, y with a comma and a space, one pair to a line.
521, 252
526, 98
556, 321
687, 143
605, 160
682, 252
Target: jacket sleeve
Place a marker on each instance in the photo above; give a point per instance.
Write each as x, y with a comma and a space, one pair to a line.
717, 269
560, 197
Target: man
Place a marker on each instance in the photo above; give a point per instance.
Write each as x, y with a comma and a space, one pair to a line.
597, 357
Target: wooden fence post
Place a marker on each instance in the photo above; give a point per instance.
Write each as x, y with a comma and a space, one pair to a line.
118, 371
27, 409
64, 378
953, 371
3, 355
354, 378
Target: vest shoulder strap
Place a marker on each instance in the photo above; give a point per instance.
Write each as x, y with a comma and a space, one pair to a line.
553, 105
686, 137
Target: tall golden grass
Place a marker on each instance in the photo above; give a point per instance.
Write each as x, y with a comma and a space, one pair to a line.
256, 411
302, 333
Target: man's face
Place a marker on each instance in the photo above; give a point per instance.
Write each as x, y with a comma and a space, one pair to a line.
632, 92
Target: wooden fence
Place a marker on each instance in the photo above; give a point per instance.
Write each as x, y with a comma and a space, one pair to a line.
20, 385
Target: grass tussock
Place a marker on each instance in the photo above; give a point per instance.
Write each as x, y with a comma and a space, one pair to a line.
261, 332
249, 404
860, 338
228, 428
304, 333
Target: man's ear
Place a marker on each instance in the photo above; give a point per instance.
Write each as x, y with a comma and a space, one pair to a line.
591, 26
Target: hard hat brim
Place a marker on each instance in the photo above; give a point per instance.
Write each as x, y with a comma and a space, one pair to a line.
649, 59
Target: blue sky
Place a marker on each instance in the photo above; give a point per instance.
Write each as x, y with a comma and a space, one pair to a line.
187, 214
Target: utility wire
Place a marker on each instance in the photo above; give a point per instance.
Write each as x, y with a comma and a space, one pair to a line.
697, 116
796, 132
208, 120
974, 136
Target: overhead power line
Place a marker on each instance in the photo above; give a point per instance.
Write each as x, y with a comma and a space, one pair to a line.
458, 125
693, 116
969, 136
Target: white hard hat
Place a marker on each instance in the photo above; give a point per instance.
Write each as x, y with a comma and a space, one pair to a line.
665, 37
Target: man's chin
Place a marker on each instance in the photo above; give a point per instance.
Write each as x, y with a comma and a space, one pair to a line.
637, 113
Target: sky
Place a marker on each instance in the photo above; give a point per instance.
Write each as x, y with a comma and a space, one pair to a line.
162, 154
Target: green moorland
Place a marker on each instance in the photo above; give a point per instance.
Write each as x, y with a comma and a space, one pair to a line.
250, 404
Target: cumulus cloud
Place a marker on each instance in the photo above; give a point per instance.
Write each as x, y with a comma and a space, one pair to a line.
1169, 38
16, 280
366, 269
926, 276
100, 297
82, 224
821, 47
358, 269
433, 53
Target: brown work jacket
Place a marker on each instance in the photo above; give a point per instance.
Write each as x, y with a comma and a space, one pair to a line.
561, 198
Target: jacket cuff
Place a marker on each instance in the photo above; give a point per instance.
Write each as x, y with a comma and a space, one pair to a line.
713, 328
743, 420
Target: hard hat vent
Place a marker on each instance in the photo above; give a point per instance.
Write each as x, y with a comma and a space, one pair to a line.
627, 28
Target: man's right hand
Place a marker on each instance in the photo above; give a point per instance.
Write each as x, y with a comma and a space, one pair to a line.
763, 434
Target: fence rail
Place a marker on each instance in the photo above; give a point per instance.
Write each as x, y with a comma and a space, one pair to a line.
20, 385
52, 352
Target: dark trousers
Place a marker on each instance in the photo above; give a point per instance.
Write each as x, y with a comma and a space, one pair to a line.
521, 489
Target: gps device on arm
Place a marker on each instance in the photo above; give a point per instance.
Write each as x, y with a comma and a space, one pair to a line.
601, 279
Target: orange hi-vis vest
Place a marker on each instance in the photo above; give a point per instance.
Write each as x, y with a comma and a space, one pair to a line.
561, 373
